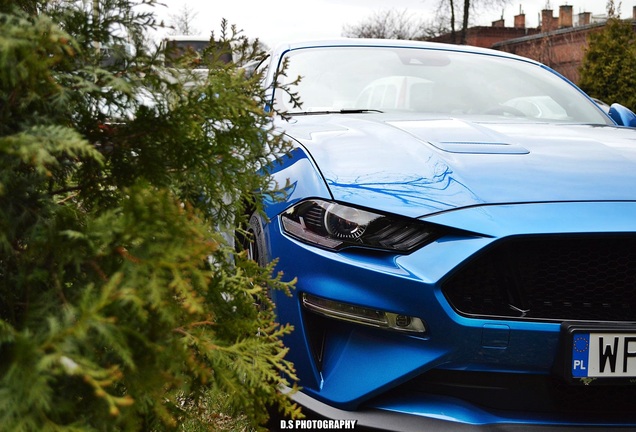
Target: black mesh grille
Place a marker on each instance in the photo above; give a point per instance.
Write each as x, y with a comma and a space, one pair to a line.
550, 278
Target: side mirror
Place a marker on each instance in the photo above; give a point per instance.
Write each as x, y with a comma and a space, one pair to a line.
622, 116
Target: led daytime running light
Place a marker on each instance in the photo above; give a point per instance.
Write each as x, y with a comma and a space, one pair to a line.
362, 315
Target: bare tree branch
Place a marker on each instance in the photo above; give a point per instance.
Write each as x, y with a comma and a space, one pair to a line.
390, 24
182, 21
449, 7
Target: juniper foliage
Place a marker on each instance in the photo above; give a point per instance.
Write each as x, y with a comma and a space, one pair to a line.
121, 301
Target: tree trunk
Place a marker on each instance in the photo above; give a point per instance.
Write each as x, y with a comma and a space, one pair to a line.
452, 22
465, 22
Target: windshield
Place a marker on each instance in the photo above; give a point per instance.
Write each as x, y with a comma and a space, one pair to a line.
429, 81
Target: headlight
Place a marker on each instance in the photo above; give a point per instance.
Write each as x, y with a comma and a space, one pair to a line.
335, 226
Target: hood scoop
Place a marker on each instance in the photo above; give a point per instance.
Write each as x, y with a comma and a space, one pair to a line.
457, 136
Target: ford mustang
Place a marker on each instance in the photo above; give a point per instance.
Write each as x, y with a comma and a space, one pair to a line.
462, 226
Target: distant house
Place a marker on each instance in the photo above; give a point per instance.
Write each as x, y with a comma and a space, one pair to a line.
486, 37
195, 46
559, 41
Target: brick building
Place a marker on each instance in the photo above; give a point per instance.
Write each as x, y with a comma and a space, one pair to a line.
559, 41
486, 37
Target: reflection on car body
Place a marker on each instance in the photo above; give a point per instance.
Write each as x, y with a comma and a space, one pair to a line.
463, 229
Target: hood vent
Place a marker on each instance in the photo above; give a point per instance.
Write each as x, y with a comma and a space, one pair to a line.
458, 136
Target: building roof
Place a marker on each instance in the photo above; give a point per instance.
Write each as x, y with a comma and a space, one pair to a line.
552, 33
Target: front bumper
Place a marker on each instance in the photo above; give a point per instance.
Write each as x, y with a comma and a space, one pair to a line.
378, 419
375, 373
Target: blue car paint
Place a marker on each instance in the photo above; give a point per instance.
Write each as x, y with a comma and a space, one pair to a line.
295, 177
398, 284
622, 116
399, 167
492, 180
389, 358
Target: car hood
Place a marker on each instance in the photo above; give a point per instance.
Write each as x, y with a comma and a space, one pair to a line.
418, 167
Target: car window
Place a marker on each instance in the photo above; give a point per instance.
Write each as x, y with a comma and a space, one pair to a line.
431, 81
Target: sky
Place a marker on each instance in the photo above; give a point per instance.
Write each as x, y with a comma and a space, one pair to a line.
278, 21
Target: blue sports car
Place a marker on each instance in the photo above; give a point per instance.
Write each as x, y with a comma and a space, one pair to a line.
462, 224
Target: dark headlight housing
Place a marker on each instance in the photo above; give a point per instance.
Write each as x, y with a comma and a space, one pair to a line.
335, 226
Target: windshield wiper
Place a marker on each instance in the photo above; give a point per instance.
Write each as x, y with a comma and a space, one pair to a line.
342, 111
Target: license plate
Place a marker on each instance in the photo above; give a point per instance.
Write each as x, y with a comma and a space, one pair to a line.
603, 354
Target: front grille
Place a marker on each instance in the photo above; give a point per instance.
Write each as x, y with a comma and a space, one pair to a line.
541, 394
576, 278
